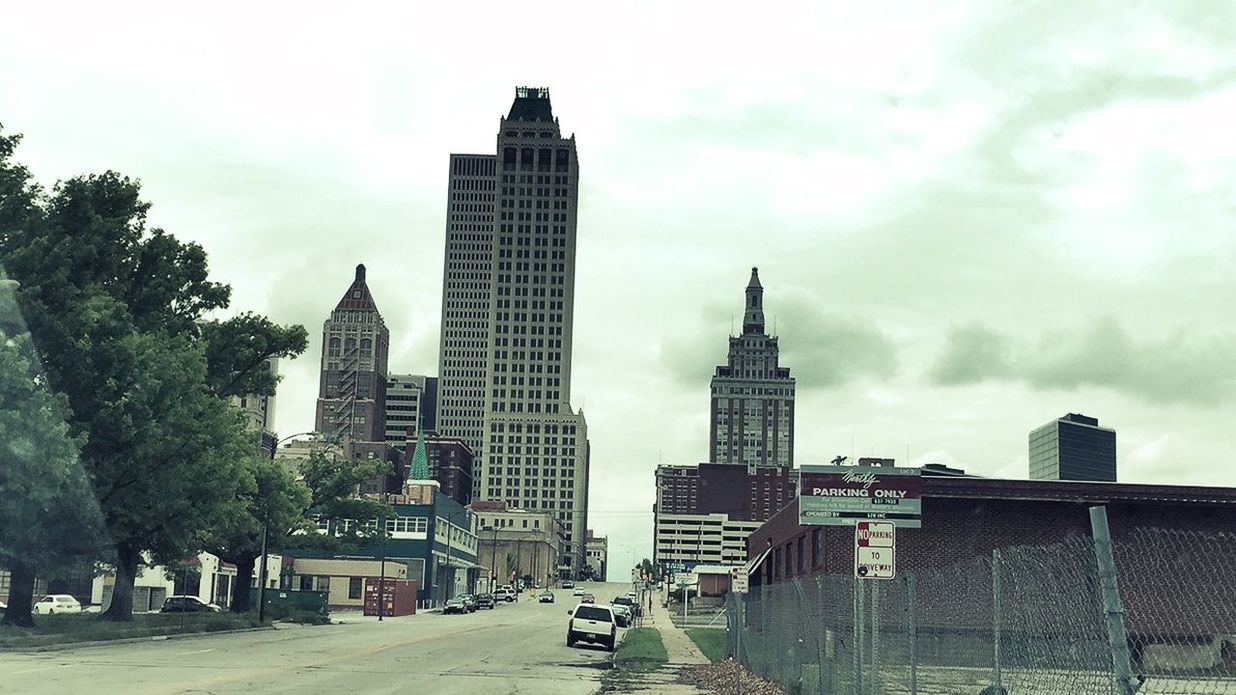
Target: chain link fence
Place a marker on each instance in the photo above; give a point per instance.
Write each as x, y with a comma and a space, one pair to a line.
1027, 619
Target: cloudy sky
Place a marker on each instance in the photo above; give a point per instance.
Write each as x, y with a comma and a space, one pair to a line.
969, 217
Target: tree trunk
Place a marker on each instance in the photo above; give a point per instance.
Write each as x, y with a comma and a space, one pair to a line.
244, 577
127, 560
21, 597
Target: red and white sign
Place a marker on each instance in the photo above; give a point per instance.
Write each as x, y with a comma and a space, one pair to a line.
875, 550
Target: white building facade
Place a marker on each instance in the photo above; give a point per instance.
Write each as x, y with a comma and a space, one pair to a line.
507, 319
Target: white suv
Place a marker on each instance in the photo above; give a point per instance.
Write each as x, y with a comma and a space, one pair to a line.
592, 623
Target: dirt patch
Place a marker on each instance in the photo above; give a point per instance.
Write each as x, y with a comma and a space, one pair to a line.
728, 678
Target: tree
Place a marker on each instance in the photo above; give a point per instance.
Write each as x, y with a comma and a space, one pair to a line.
237, 350
272, 499
647, 569
333, 482
115, 308
47, 513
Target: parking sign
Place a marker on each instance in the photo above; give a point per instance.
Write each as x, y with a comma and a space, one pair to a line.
875, 550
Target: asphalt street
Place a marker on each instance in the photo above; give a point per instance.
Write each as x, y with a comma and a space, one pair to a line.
515, 648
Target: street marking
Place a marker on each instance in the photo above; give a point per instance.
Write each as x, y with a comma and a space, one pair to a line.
198, 651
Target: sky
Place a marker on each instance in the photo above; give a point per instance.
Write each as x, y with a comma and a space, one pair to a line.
970, 218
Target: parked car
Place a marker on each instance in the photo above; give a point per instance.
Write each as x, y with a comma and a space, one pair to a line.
187, 604
486, 601
591, 623
568, 584
622, 615
470, 601
455, 605
630, 603
546, 596
57, 603
587, 598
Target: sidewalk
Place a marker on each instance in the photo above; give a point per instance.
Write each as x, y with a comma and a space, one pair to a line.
681, 651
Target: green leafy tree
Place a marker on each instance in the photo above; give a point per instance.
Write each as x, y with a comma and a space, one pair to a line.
334, 482
237, 350
647, 569
271, 499
116, 308
48, 517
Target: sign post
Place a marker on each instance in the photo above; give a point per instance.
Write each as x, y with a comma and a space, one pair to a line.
739, 580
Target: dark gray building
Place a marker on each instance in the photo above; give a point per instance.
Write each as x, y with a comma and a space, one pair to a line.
752, 410
352, 385
1073, 447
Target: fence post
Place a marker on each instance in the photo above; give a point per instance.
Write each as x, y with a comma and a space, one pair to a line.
822, 637
1113, 609
995, 617
873, 683
913, 599
859, 609
740, 623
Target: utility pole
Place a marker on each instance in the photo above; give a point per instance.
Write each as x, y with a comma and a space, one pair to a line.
382, 565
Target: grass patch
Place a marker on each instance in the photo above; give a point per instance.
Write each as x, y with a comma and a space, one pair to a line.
710, 641
69, 629
641, 649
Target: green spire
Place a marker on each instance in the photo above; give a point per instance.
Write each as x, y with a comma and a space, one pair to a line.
420, 466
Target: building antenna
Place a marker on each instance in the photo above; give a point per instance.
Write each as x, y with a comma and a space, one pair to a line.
731, 324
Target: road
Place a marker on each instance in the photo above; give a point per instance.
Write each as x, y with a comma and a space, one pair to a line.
516, 648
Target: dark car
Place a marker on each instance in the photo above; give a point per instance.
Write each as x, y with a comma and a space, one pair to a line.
455, 605
630, 603
622, 615
187, 604
587, 598
486, 601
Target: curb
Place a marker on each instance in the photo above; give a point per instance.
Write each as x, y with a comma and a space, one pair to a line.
126, 640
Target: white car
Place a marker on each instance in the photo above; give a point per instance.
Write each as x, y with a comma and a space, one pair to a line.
592, 623
579, 591
57, 603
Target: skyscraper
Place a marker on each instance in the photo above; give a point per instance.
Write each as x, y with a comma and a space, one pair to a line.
507, 317
405, 403
352, 386
752, 414
1073, 447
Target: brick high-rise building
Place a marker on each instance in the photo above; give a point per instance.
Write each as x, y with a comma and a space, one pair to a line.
508, 301
752, 412
352, 387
